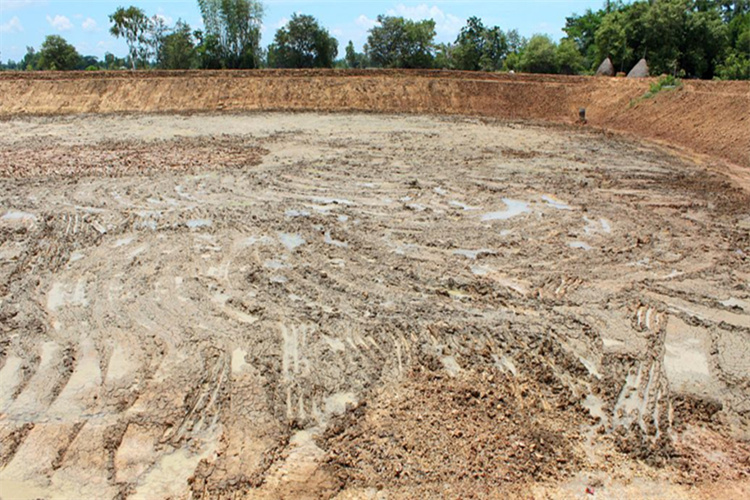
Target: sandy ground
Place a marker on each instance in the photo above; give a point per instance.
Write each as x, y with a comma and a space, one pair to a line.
360, 306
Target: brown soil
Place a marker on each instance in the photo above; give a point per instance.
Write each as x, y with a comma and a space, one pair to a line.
703, 117
275, 305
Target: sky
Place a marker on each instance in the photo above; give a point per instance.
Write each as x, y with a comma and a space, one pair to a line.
86, 24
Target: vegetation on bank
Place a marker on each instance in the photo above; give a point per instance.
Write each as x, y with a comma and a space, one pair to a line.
683, 38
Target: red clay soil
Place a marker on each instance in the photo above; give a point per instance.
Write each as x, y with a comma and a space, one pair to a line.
704, 117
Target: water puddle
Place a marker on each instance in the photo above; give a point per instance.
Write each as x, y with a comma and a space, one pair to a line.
336, 403
76, 256
198, 223
611, 343
596, 226
440, 191
480, 270
514, 208
67, 295
686, 350
505, 365
473, 254
330, 241
17, 216
255, 240
595, 406
555, 203
580, 245
736, 304
451, 365
275, 265
297, 213
416, 207
279, 279
238, 361
123, 241
291, 241
462, 206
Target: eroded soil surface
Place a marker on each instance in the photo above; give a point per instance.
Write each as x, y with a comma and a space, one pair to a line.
358, 306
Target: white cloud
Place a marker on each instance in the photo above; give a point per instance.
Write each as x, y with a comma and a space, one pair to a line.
365, 22
165, 19
12, 26
89, 25
60, 23
447, 26
20, 4
282, 22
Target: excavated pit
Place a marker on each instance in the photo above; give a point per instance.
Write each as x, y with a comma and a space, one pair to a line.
277, 305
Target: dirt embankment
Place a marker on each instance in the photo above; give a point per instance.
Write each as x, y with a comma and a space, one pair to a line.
704, 117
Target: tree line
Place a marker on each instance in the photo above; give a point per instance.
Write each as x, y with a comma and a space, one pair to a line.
686, 38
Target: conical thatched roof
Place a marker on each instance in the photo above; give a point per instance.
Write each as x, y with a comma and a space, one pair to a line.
640, 70
606, 68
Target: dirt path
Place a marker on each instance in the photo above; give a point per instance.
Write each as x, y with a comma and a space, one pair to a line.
189, 306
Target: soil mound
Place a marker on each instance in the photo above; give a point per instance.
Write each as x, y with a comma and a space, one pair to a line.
640, 70
606, 68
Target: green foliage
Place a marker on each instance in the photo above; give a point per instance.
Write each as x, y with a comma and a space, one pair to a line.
735, 67
582, 31
177, 49
303, 43
690, 38
353, 58
112, 62
133, 25
232, 33
539, 56
569, 59
666, 82
57, 54
611, 40
400, 43
478, 47
444, 56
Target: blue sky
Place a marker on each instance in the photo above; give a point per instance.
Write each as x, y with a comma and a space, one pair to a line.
85, 24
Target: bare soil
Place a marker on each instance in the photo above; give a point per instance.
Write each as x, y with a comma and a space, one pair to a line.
278, 305
699, 117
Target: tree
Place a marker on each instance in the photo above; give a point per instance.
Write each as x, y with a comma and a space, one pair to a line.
232, 32
303, 43
57, 54
30, 60
133, 25
177, 49
569, 59
479, 48
88, 62
539, 56
582, 31
353, 58
445, 56
112, 62
612, 41
155, 35
705, 42
399, 43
